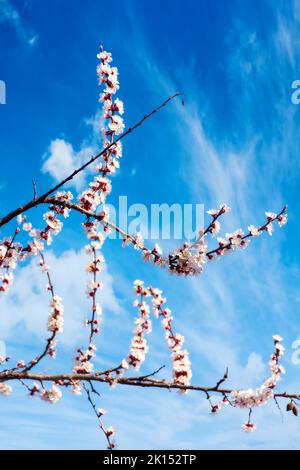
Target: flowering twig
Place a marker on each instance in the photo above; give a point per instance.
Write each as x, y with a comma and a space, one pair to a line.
183, 261
108, 432
188, 260
55, 320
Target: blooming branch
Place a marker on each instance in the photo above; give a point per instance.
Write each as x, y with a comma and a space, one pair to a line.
188, 260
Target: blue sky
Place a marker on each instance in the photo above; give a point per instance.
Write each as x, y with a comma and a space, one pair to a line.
235, 141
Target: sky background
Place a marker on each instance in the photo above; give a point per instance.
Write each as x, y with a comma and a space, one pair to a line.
235, 141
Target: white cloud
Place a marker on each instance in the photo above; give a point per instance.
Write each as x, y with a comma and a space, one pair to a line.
61, 159
9, 14
28, 301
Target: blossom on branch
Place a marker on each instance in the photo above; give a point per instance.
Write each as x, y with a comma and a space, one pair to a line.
251, 398
56, 320
189, 259
5, 389
53, 395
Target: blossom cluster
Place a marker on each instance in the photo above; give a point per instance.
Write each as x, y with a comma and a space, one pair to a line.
251, 398
181, 365
56, 313
10, 252
182, 372
53, 225
83, 364
52, 395
5, 389
113, 110
139, 346
62, 197
187, 260
190, 258
155, 255
109, 432
96, 195
83, 358
56, 319
6, 279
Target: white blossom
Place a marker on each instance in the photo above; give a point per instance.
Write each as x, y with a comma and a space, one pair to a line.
5, 389
52, 395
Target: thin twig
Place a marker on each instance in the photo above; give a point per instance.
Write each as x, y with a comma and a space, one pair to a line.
225, 377
25, 207
34, 190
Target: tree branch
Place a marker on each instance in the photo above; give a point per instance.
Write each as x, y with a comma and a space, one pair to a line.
146, 382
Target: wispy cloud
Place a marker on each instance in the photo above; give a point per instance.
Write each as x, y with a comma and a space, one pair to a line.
242, 301
11, 15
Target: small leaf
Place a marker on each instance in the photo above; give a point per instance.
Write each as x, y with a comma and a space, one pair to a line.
289, 406
292, 407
